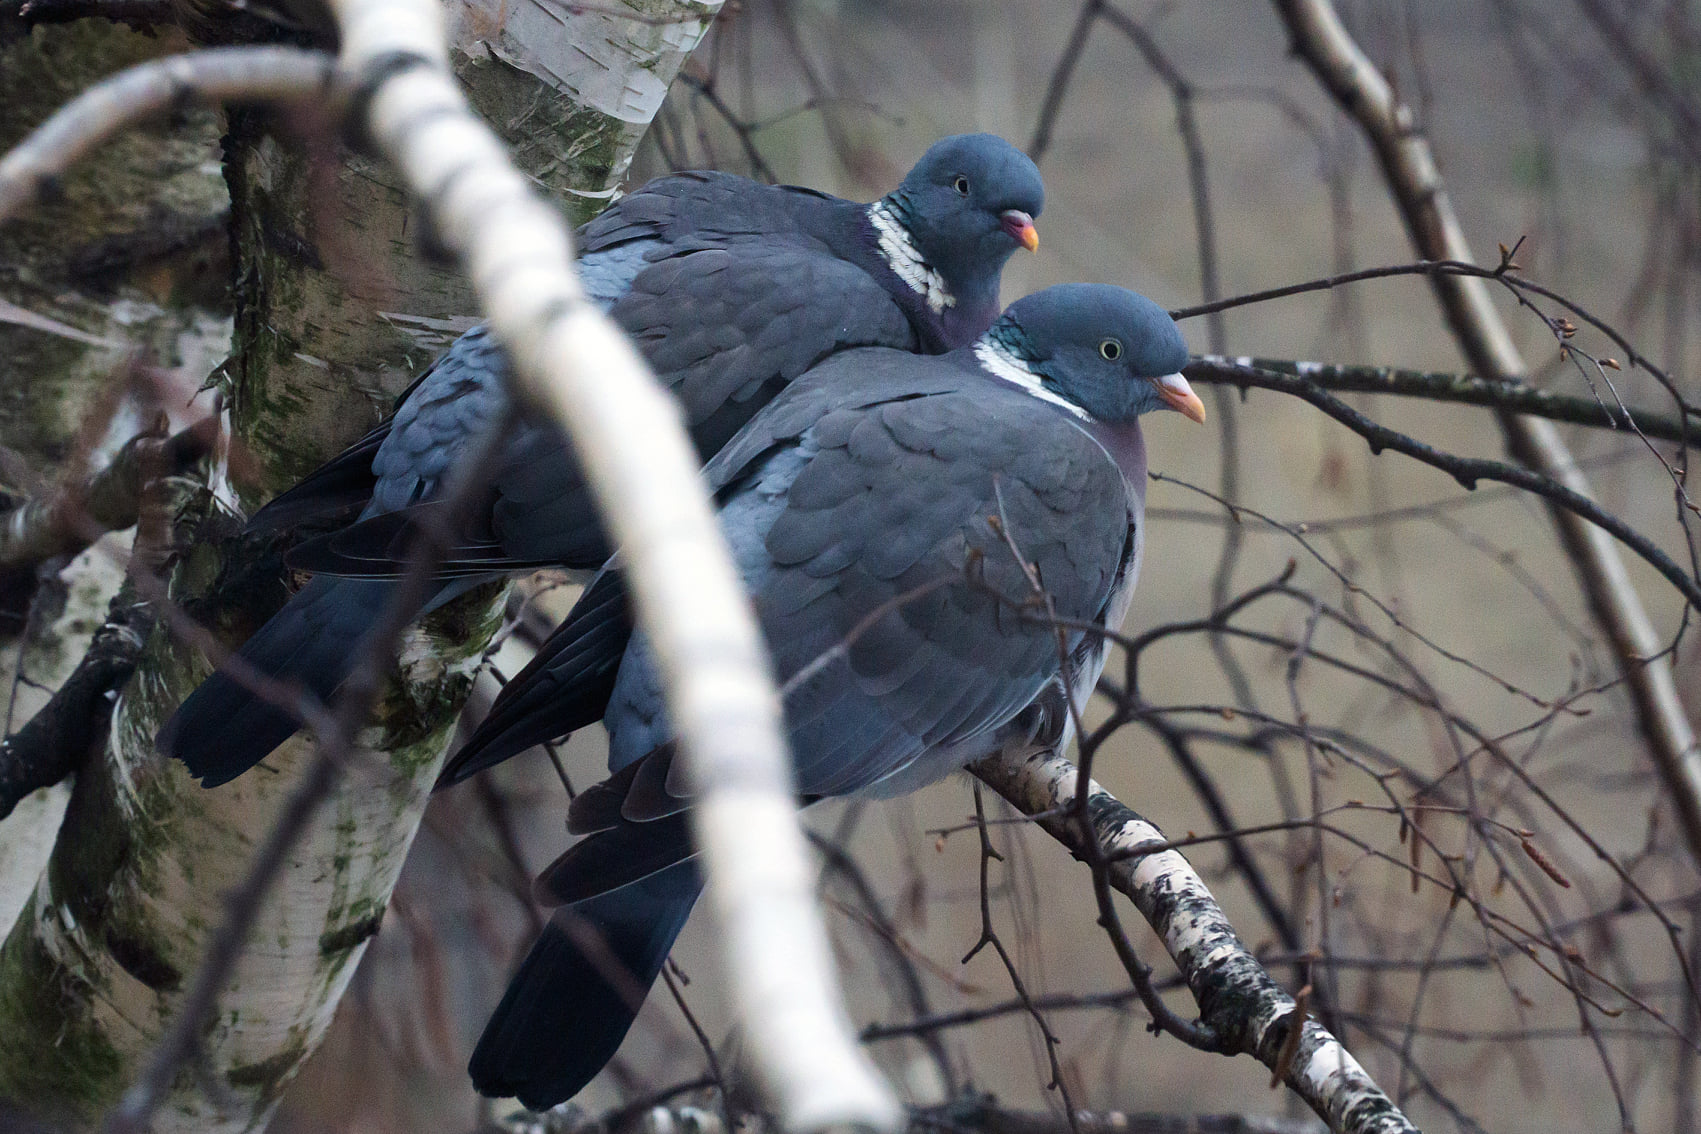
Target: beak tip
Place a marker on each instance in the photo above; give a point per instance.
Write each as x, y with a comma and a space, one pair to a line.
1179, 396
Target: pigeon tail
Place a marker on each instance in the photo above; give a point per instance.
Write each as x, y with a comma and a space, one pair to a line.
223, 729
577, 992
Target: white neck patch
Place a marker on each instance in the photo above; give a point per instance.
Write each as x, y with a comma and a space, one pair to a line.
905, 259
1000, 363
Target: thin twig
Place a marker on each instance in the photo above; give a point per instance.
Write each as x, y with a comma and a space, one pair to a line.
1465, 389
1322, 40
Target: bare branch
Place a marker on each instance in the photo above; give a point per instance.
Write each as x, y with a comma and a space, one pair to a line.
1240, 1003
1438, 386
249, 74
1408, 165
573, 364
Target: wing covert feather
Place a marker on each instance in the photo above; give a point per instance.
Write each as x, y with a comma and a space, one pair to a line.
882, 550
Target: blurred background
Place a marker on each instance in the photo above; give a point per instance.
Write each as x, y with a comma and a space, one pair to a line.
1454, 615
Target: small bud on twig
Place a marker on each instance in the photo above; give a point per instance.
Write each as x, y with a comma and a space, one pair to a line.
1547, 864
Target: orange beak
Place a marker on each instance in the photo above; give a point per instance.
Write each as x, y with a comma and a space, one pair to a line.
1179, 396
1021, 228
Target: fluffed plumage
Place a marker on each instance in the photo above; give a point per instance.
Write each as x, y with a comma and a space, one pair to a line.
876, 509
731, 289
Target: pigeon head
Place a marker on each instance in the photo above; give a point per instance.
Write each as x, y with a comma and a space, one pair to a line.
967, 205
1099, 351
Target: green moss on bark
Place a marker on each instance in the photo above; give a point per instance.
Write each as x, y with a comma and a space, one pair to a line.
76, 1073
568, 148
328, 278
69, 257
269, 1075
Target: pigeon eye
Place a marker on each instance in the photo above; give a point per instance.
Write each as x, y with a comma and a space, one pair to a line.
1110, 349
961, 185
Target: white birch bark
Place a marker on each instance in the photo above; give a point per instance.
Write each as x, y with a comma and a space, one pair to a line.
90, 978
1243, 1005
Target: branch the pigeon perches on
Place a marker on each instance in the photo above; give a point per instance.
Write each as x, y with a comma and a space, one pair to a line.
1241, 1005
571, 363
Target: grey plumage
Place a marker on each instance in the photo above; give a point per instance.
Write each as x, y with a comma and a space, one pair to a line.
731, 290
876, 509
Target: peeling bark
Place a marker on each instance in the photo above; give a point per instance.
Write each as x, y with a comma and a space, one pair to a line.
112, 266
338, 308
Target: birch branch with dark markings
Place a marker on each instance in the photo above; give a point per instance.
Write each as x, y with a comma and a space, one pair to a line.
1240, 1004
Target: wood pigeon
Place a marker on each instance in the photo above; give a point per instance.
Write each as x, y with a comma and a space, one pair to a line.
730, 288
876, 509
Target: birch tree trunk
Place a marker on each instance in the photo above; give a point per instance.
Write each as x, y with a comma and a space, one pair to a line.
89, 280
336, 311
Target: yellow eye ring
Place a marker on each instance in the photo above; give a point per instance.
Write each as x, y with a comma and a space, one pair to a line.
961, 185
1110, 350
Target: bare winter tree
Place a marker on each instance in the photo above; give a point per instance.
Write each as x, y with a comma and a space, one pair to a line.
1427, 740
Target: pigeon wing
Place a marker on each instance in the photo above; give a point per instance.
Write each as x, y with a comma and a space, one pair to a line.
877, 542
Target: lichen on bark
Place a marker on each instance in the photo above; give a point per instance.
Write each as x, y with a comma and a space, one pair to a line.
92, 256
337, 309
119, 254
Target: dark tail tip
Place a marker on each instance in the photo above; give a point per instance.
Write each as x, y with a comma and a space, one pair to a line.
576, 994
221, 730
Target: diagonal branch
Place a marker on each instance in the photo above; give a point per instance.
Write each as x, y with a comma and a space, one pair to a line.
1241, 1005
1408, 165
572, 364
